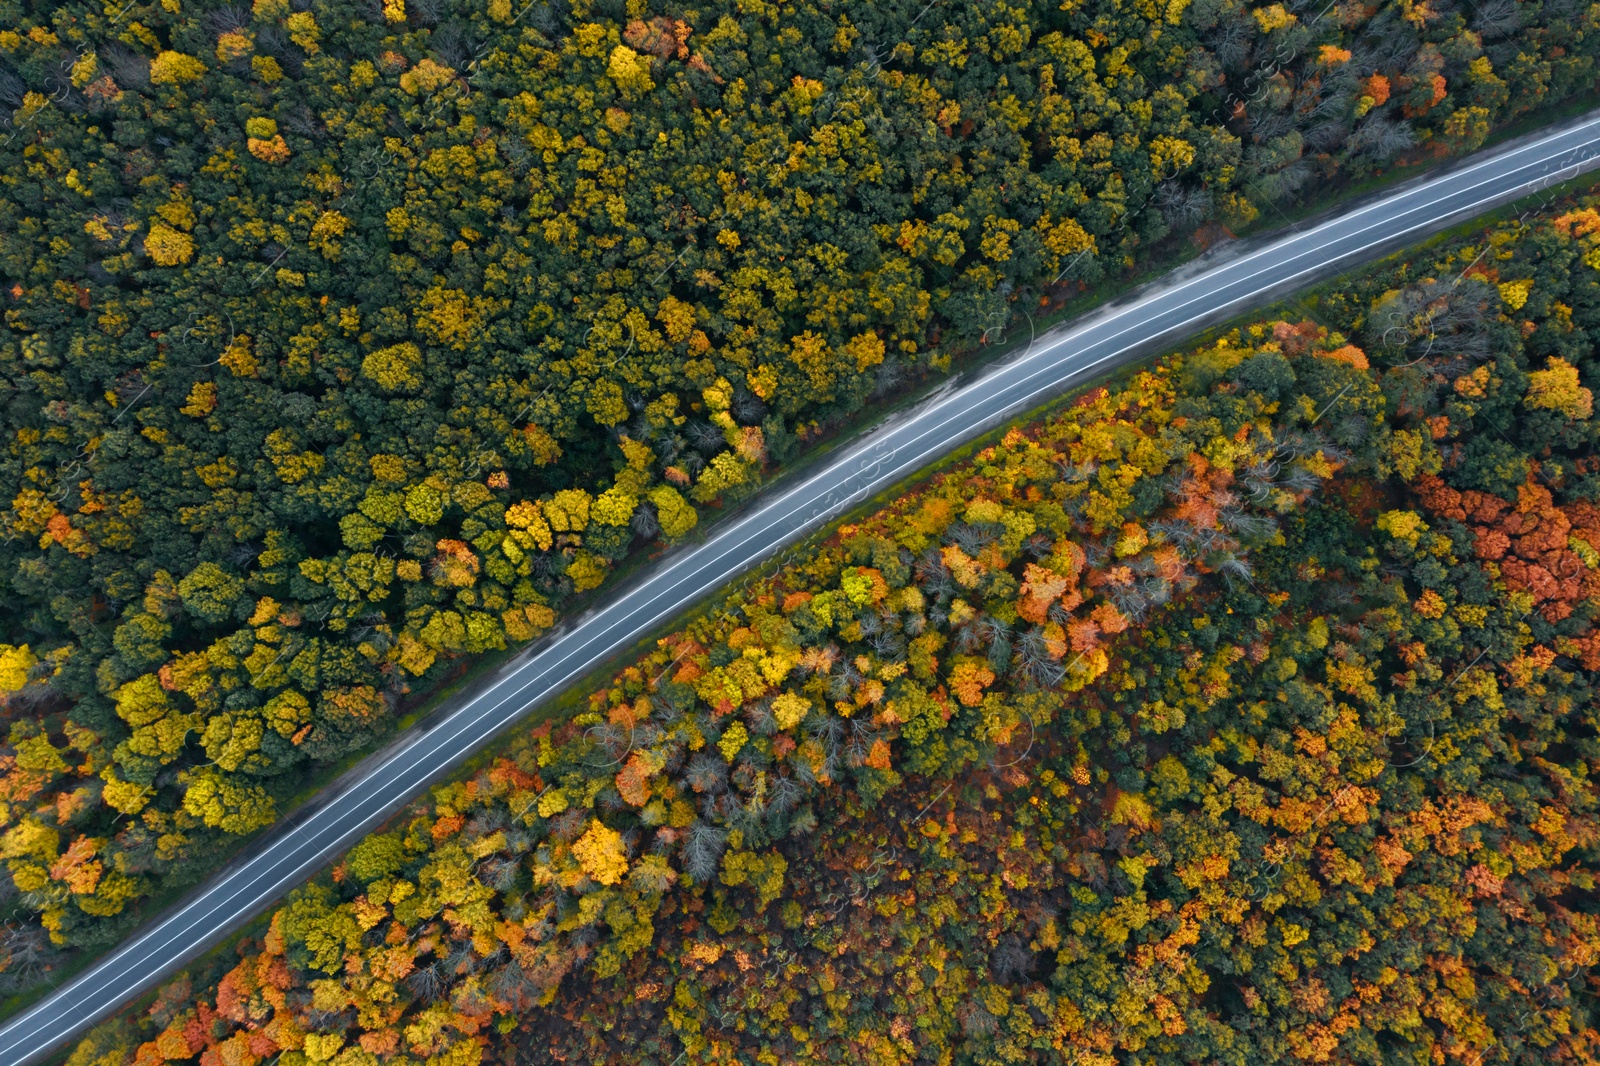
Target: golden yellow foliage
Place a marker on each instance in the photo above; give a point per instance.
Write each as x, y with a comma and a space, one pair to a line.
172, 68
1556, 388
630, 71
397, 368
167, 246
15, 662
425, 77
601, 854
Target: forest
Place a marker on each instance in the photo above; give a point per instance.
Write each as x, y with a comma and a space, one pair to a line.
1239, 711
346, 342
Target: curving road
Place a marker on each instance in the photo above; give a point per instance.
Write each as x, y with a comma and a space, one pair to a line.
1216, 287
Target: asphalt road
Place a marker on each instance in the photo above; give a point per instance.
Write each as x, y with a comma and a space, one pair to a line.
1216, 287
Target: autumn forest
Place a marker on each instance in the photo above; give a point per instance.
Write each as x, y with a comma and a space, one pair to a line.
1238, 709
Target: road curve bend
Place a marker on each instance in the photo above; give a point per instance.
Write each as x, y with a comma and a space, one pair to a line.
1216, 287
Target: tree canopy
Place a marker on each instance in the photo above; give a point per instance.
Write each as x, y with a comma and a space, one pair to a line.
1238, 712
